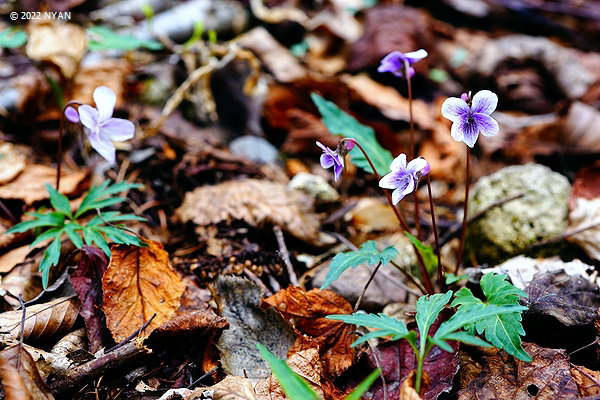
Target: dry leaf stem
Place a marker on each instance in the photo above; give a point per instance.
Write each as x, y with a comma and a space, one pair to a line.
285, 254
463, 232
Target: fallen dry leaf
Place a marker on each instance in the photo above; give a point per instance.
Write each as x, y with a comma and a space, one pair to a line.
230, 388
42, 320
87, 282
138, 283
13, 257
587, 380
240, 300
305, 363
62, 44
20, 376
257, 202
308, 310
30, 187
12, 162
109, 72
547, 376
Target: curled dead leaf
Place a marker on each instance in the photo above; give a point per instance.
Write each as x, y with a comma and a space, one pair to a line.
254, 201
20, 376
138, 283
12, 162
42, 320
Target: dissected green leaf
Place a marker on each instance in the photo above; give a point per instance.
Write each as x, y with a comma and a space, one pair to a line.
113, 216
98, 197
92, 237
367, 253
428, 308
40, 220
105, 39
451, 278
503, 330
385, 325
293, 385
59, 201
12, 38
361, 389
427, 253
340, 123
71, 231
50, 259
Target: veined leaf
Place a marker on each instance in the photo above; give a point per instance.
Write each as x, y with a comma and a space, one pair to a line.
293, 385
59, 201
367, 253
51, 257
106, 39
503, 330
70, 229
119, 236
429, 257
385, 325
428, 308
91, 236
451, 278
340, 123
99, 196
357, 393
113, 216
50, 233
40, 220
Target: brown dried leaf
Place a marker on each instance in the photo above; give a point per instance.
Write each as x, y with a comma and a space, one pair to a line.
42, 320
305, 363
30, 187
20, 376
308, 309
256, 202
138, 283
110, 73
389, 102
12, 162
548, 376
587, 380
230, 388
62, 44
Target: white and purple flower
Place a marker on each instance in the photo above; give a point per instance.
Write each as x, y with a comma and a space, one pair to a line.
102, 129
395, 62
335, 159
404, 178
469, 117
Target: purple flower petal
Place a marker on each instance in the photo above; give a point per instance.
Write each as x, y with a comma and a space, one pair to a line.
118, 129
103, 146
322, 146
415, 56
89, 117
464, 97
455, 109
407, 187
418, 167
72, 115
105, 100
399, 163
327, 160
487, 124
484, 102
470, 132
389, 181
337, 171
393, 62
349, 145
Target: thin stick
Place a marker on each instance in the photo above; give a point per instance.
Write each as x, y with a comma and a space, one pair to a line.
420, 262
435, 235
60, 137
285, 255
463, 233
412, 153
362, 294
22, 334
257, 280
563, 236
130, 337
206, 375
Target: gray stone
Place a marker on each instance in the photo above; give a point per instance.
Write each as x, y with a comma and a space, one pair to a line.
315, 185
507, 230
254, 148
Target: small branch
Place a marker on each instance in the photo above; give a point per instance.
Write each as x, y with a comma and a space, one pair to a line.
133, 335
22, 334
257, 280
206, 375
463, 233
563, 236
285, 255
362, 294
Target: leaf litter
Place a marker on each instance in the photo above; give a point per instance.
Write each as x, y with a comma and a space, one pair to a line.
211, 213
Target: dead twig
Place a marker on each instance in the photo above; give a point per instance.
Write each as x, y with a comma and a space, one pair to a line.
563, 236
257, 280
285, 255
362, 294
133, 335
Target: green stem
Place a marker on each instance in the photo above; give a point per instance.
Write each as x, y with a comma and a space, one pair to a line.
419, 374
435, 235
60, 136
426, 279
463, 233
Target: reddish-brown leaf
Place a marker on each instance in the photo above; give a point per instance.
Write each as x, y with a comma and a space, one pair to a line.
138, 283
20, 376
87, 282
308, 309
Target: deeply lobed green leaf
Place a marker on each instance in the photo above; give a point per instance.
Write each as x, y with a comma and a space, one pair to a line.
428, 308
340, 123
386, 326
367, 253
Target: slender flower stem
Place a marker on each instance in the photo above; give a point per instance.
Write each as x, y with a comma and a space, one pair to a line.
362, 294
463, 233
420, 262
412, 153
435, 235
60, 137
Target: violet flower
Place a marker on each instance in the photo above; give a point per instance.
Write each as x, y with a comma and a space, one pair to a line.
469, 117
335, 158
72, 115
102, 129
394, 62
404, 178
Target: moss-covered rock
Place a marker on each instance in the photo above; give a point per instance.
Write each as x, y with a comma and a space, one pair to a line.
507, 230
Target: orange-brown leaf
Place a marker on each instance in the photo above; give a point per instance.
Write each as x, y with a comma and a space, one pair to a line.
138, 283
42, 320
20, 376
